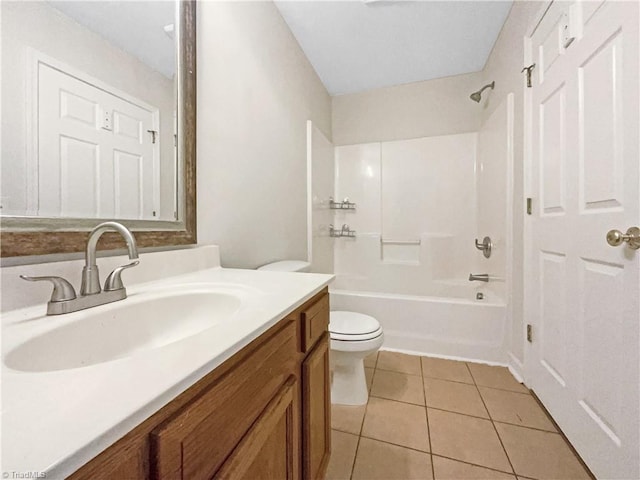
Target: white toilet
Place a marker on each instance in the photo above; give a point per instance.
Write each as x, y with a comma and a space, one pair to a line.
353, 337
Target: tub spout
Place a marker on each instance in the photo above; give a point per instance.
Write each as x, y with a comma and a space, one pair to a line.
480, 277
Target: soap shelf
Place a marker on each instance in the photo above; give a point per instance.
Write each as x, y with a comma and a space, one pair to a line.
343, 205
345, 231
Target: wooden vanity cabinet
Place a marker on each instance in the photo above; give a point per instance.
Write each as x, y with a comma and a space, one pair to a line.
264, 413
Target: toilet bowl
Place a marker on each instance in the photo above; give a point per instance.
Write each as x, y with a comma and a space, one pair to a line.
353, 335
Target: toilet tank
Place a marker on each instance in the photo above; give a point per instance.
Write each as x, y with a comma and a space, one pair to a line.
287, 266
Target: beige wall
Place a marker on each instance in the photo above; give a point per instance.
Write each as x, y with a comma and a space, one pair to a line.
504, 66
256, 90
41, 27
422, 109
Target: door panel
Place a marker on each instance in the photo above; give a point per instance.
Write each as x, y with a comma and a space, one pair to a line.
552, 147
583, 299
128, 184
600, 121
74, 107
602, 336
78, 177
553, 328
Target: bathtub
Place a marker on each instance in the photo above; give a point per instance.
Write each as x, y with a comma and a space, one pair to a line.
458, 327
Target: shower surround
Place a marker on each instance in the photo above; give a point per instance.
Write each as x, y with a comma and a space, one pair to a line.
421, 203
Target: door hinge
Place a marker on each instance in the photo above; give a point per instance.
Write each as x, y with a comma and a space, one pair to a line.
107, 120
529, 333
529, 205
567, 38
154, 134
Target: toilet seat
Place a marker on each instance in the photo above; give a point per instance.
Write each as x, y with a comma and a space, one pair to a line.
353, 326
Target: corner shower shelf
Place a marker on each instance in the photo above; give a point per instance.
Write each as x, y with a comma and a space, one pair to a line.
343, 205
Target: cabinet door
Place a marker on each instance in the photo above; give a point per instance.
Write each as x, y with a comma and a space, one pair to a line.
126, 461
196, 442
316, 411
270, 449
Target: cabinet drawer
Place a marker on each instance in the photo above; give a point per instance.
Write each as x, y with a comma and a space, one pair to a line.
315, 321
196, 441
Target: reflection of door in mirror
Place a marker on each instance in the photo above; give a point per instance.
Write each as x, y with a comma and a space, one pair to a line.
88, 110
98, 153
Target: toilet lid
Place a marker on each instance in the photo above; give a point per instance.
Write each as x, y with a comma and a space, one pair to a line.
353, 326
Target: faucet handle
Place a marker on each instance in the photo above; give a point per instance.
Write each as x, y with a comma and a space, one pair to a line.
114, 280
62, 289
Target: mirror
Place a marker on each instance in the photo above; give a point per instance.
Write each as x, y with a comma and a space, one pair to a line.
98, 122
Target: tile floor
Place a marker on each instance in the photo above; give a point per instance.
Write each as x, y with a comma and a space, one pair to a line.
430, 418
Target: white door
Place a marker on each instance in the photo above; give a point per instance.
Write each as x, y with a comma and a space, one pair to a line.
583, 295
97, 153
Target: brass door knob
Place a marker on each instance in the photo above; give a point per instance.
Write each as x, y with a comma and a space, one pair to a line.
632, 237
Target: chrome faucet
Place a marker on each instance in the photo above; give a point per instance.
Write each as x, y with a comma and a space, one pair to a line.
64, 299
480, 277
90, 275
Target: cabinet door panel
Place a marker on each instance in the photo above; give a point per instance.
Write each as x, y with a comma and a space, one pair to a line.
270, 449
316, 410
196, 442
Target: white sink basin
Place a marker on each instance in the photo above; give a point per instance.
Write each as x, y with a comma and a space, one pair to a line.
120, 329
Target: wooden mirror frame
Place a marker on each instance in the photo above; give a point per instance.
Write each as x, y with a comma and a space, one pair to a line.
42, 239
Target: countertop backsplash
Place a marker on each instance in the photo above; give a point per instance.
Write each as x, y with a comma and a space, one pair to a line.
17, 293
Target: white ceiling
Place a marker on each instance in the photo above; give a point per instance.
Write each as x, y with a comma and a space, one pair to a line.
361, 45
137, 27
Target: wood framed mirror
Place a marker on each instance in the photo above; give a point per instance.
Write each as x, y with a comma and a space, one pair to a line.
37, 231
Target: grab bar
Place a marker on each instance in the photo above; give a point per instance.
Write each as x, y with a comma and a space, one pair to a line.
400, 242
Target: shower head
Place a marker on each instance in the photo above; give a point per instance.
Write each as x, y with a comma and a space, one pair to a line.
476, 96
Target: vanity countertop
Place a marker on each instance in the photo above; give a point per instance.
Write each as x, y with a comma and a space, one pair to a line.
54, 422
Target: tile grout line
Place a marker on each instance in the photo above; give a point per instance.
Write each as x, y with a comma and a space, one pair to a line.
483, 386
359, 435
355, 456
526, 426
564, 437
489, 418
399, 401
475, 465
426, 412
396, 371
439, 455
557, 432
492, 422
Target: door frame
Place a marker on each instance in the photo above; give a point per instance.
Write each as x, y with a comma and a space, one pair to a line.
528, 190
